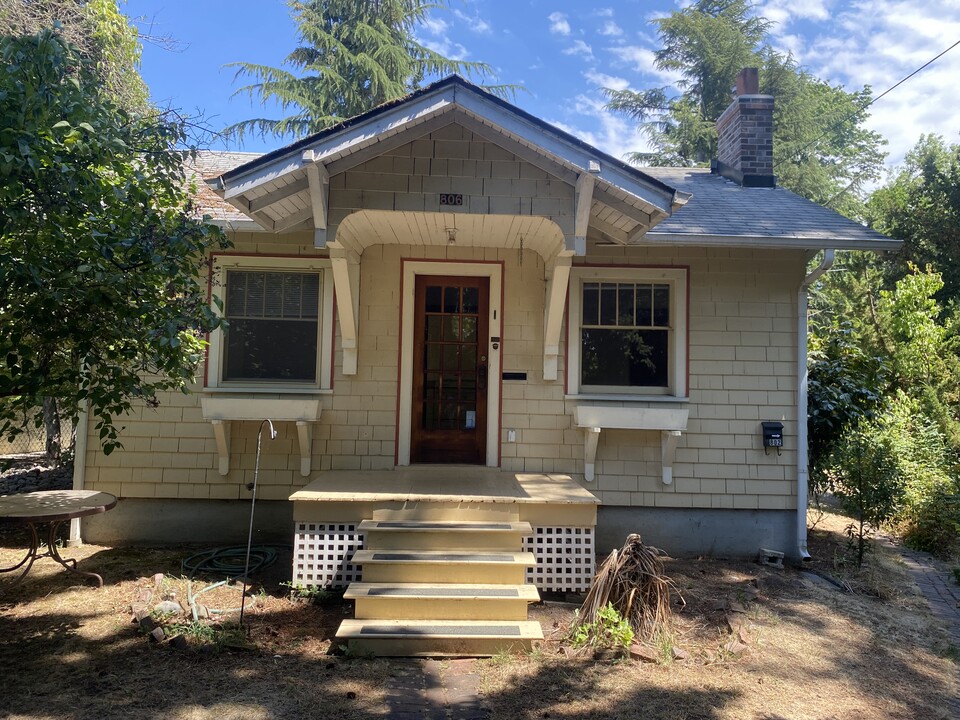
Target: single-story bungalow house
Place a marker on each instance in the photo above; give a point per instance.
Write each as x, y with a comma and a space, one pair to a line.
475, 333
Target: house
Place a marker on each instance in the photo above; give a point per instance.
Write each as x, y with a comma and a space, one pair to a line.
452, 311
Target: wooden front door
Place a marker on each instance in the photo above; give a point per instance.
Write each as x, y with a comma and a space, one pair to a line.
450, 342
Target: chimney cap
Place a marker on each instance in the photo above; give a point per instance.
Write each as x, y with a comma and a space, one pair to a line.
748, 81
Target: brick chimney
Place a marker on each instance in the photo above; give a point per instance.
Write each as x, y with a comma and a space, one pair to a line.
745, 135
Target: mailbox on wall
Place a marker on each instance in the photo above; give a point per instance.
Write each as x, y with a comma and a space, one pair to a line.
772, 436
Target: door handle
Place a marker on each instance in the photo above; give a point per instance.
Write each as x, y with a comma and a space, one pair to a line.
482, 376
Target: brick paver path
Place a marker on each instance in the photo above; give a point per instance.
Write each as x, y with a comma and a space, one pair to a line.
434, 690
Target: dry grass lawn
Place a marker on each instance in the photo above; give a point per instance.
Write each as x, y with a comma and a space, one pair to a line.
70, 651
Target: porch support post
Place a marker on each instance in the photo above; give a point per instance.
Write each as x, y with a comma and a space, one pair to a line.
346, 283
668, 451
305, 440
558, 279
582, 200
591, 438
318, 180
221, 433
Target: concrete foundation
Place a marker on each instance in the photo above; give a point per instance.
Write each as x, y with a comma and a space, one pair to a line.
711, 532
220, 522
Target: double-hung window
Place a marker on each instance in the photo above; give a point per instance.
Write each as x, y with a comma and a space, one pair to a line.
627, 331
276, 331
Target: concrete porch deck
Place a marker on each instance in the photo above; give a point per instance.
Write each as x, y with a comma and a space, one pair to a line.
444, 484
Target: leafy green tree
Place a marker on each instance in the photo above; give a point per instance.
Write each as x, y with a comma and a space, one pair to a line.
100, 254
354, 55
101, 34
821, 150
921, 206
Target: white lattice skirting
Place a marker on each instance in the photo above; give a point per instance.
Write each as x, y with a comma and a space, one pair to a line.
565, 556
321, 552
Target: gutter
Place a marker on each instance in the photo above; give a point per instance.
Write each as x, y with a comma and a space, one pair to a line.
803, 472
79, 470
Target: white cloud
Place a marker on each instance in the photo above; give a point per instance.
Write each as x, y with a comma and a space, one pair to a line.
604, 12
611, 29
474, 23
643, 61
612, 134
879, 42
558, 23
580, 48
435, 26
603, 80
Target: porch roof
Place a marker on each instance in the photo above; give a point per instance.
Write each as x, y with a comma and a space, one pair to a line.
282, 190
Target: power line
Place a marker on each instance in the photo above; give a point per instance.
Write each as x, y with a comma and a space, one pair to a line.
884, 93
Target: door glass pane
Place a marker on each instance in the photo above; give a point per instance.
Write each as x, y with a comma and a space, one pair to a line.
433, 303
451, 300
469, 325
471, 300
433, 356
451, 358
451, 328
433, 328
468, 358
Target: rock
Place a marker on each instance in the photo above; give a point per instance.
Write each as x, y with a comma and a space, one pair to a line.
643, 654
735, 647
680, 654
147, 624
737, 607
179, 642
168, 607
157, 634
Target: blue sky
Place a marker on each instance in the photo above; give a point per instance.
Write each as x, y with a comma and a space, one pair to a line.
564, 51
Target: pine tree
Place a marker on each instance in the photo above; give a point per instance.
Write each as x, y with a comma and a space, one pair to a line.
354, 55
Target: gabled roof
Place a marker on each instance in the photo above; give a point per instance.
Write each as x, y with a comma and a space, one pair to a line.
724, 213
281, 174
209, 164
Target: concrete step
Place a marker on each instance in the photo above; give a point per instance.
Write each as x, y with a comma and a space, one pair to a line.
426, 601
441, 566
444, 534
452, 511
432, 638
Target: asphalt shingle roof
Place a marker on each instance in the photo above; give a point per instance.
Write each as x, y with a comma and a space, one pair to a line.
721, 208
210, 164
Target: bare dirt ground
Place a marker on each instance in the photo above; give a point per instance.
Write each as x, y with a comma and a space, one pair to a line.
758, 644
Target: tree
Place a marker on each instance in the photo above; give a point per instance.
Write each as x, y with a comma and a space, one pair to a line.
821, 150
100, 299
354, 55
101, 34
921, 206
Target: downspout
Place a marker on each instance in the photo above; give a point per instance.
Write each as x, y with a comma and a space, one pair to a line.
803, 473
79, 470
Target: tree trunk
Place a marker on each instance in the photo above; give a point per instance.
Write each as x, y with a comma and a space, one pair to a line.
51, 424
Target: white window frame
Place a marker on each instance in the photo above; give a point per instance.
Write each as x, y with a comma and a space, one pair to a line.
223, 263
677, 279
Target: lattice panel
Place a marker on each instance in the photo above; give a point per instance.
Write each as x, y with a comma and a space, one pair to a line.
566, 559
321, 552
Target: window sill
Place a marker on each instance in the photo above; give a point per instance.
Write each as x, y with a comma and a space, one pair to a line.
259, 390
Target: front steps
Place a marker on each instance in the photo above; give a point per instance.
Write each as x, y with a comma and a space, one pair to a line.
441, 585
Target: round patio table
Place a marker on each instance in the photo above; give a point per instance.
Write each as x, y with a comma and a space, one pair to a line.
50, 508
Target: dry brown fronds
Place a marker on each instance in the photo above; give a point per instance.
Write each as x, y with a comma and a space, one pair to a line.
632, 580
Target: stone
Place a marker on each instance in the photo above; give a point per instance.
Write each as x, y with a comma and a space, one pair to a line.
147, 624
735, 647
157, 634
643, 654
737, 607
168, 607
680, 654
179, 642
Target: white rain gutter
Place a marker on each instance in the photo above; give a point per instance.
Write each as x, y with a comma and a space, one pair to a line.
803, 473
79, 470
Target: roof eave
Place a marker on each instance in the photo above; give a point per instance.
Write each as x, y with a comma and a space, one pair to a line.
770, 242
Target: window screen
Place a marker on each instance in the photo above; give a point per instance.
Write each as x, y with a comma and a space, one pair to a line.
273, 323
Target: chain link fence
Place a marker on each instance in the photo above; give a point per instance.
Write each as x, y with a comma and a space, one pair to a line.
33, 440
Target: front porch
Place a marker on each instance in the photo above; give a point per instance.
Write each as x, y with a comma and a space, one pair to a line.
560, 513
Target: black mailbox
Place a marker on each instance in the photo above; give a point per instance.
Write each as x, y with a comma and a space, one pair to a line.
772, 436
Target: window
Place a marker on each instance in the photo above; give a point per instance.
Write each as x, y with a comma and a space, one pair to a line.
627, 331
272, 326
279, 324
